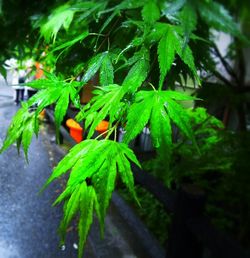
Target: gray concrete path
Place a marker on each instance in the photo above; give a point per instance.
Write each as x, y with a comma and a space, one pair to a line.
28, 223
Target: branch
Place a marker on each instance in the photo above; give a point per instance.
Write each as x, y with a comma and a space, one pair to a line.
223, 79
218, 75
226, 65
108, 34
241, 66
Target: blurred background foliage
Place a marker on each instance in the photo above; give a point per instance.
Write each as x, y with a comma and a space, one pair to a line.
222, 168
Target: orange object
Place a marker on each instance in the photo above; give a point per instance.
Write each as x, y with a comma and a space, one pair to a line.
39, 71
102, 127
75, 130
42, 114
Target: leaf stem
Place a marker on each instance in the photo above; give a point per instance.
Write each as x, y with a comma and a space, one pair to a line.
108, 44
152, 86
96, 138
111, 130
97, 34
115, 133
71, 79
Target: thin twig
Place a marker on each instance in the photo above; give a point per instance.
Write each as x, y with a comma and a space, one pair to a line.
226, 65
115, 134
223, 79
108, 34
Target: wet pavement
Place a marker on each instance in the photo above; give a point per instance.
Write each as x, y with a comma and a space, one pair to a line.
28, 223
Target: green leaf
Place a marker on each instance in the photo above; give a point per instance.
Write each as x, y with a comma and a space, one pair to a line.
93, 66
72, 42
160, 127
132, 60
106, 71
3, 70
61, 108
60, 17
53, 90
63, 196
70, 160
43, 99
27, 135
188, 19
16, 127
138, 73
108, 20
41, 84
88, 201
42, 96
179, 116
158, 108
88, 10
170, 43
99, 161
74, 97
157, 33
166, 53
104, 183
87, 165
83, 200
115, 161
1, 6
62, 230
72, 206
89, 119
173, 7
186, 56
125, 170
150, 12
127, 4
108, 102
138, 115
50, 82
215, 15
21, 129
130, 154
18, 144
136, 42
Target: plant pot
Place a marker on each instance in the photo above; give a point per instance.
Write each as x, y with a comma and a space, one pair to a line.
75, 130
102, 127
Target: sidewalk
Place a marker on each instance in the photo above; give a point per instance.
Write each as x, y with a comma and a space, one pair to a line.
28, 223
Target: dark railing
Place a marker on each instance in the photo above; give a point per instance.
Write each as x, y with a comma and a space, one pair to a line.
191, 234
